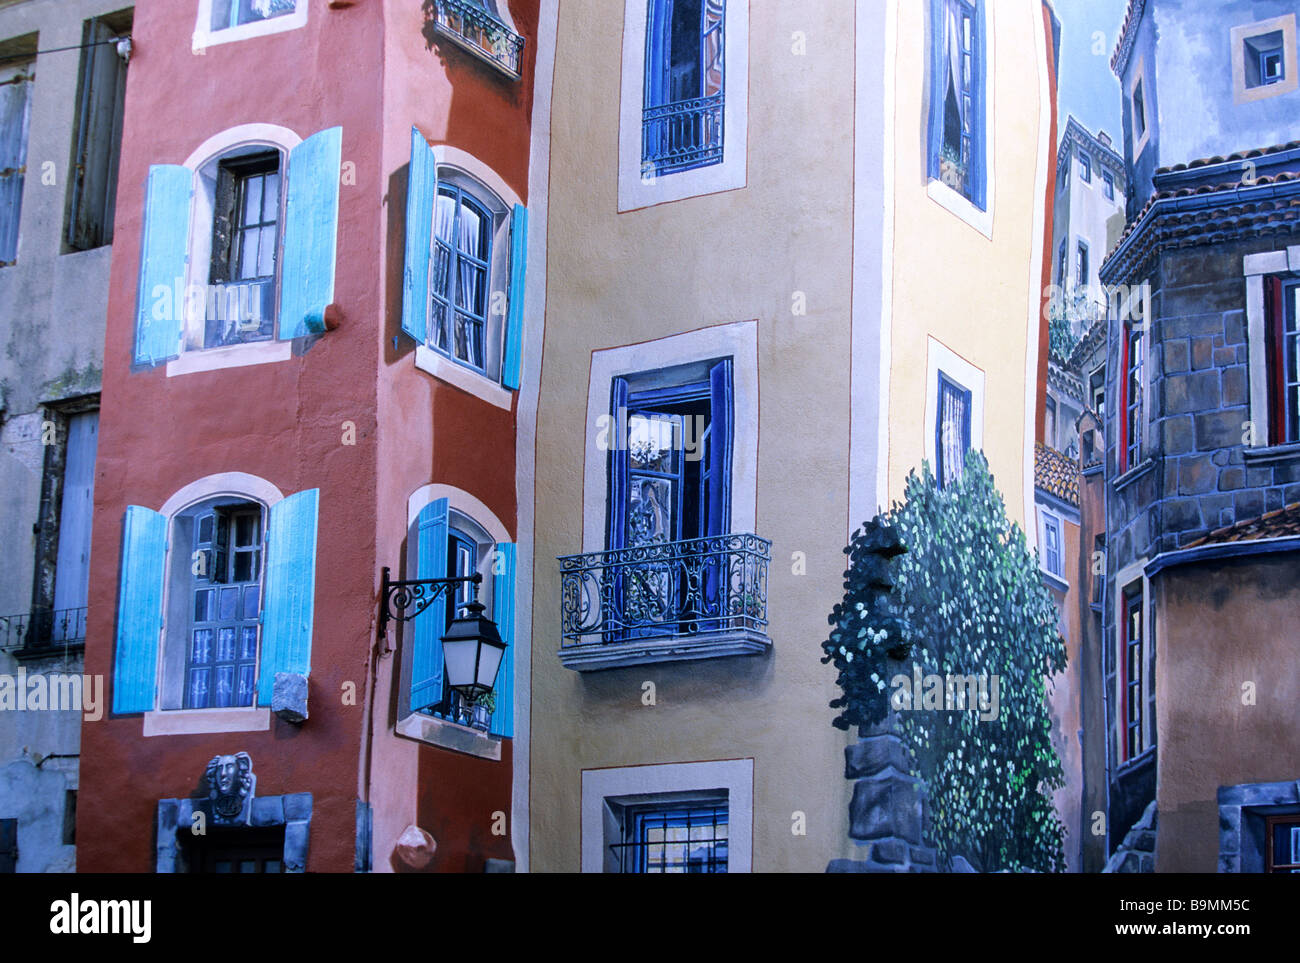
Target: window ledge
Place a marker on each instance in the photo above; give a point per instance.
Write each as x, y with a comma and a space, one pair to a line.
1054, 581
444, 369
235, 356
183, 722
1133, 474
1136, 762
959, 204
1273, 453
450, 735
595, 656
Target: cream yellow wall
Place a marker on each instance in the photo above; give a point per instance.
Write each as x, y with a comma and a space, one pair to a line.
616, 279
950, 281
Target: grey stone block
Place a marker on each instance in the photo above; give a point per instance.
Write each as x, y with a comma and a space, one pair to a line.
1248, 505
1234, 386
1219, 429
289, 697
1182, 514
1177, 435
885, 807
1177, 356
1192, 392
297, 805
960, 865
873, 754
847, 866
1144, 841
1197, 475
296, 842
1202, 353
1231, 479
889, 851
268, 811
1259, 476
922, 856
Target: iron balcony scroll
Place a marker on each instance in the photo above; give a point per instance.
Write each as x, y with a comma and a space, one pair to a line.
404, 599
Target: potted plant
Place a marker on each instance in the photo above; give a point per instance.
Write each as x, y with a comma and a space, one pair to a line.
484, 706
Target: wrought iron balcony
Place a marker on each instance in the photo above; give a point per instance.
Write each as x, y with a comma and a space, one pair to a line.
470, 26
677, 137
43, 632
669, 601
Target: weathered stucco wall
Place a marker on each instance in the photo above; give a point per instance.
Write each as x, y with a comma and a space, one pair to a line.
1228, 694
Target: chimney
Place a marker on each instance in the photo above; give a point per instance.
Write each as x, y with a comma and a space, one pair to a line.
1104, 137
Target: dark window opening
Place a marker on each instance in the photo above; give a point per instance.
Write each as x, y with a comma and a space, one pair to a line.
1264, 59
1139, 109
225, 850
245, 239
1283, 844
1282, 359
952, 431
674, 839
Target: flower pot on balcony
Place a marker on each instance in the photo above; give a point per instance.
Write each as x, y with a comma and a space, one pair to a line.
481, 718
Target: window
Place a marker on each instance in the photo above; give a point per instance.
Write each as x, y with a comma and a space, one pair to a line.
226, 21
8, 845
1133, 664
1061, 264
1049, 429
226, 589
1085, 167
228, 586
236, 850
1139, 111
1053, 544
1283, 844
1282, 358
1097, 391
957, 113
101, 99
15, 113
446, 542
1098, 578
245, 242
1264, 59
682, 838
463, 287
1131, 426
234, 13
1081, 264
256, 262
682, 119
1108, 185
953, 431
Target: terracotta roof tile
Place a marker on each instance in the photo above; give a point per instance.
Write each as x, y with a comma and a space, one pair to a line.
1056, 474
1281, 523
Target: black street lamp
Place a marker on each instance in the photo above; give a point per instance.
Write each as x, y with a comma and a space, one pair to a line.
472, 647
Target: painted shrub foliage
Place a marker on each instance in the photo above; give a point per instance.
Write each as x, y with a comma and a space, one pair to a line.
967, 595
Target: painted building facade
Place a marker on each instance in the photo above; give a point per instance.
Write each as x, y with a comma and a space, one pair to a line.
62, 82
311, 377
1202, 475
728, 312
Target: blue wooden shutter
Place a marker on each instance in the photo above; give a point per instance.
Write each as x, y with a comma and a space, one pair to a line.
139, 610
980, 146
311, 224
938, 68
510, 366
616, 511
721, 420
163, 256
430, 562
421, 192
658, 37
290, 592
503, 613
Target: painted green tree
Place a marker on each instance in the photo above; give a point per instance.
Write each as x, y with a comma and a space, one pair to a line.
968, 597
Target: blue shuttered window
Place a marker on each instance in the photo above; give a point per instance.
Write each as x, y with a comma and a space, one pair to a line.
503, 614
310, 233
510, 367
15, 121
958, 121
139, 610
421, 189
163, 260
290, 590
429, 625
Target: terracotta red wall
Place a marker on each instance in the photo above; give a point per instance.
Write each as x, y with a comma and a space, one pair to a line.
280, 421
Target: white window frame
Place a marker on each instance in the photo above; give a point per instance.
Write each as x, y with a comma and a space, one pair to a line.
490, 189
939, 357
1241, 94
1140, 77
946, 197
1127, 577
635, 190
173, 722
203, 165
421, 726
205, 36
737, 340
1255, 267
736, 776
1048, 518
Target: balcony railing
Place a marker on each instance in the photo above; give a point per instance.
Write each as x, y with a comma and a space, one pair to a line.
697, 598
43, 631
677, 137
470, 26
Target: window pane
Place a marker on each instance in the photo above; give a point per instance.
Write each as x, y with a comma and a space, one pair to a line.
271, 198
252, 200
266, 253
201, 647
248, 642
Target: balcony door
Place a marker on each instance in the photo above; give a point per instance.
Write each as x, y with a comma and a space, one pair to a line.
669, 494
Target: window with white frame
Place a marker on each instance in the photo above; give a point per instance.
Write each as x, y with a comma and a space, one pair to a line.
1264, 59
1108, 185
1085, 167
952, 432
954, 411
958, 149
224, 21
1052, 539
669, 833
1132, 389
684, 99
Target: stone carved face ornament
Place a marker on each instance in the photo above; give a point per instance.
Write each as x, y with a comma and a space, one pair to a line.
230, 784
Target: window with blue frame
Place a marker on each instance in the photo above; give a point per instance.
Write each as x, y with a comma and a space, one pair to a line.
1265, 59
1052, 554
235, 13
682, 120
1108, 184
1061, 265
460, 275
1082, 263
682, 838
958, 131
1085, 168
952, 430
